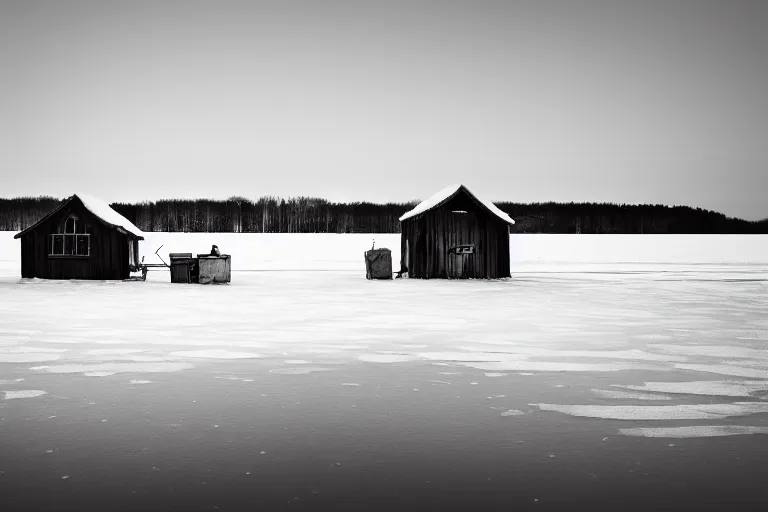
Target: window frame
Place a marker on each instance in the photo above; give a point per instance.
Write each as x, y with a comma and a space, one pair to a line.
74, 236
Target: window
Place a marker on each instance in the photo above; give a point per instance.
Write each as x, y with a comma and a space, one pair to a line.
73, 240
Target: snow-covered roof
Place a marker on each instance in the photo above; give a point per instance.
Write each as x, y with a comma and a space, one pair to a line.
100, 210
446, 194
105, 212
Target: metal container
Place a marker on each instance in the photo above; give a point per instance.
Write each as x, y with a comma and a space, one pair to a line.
182, 267
214, 269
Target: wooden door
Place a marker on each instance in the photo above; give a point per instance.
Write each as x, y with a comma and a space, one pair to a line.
461, 247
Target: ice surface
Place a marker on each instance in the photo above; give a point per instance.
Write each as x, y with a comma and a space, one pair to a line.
98, 374
724, 369
638, 355
626, 256
627, 395
140, 381
720, 351
738, 388
694, 431
386, 358
551, 366
27, 358
298, 370
113, 351
470, 356
23, 393
115, 368
659, 412
215, 354
632, 306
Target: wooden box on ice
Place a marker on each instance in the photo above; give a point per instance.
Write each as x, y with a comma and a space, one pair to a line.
214, 269
378, 264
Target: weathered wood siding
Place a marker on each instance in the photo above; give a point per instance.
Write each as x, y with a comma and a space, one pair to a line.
427, 238
109, 258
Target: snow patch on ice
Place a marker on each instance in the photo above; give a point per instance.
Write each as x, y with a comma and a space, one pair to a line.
215, 354
240, 379
722, 351
470, 356
495, 374
694, 431
627, 395
521, 351
551, 366
386, 358
724, 369
741, 388
512, 412
98, 374
140, 381
299, 370
296, 361
116, 367
10, 381
23, 393
113, 351
24, 349
658, 412
27, 358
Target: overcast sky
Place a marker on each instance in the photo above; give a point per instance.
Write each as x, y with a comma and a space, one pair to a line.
636, 102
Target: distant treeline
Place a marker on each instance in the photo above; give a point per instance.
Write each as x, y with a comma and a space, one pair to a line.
313, 215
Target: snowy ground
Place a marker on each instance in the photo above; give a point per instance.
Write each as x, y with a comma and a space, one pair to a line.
631, 366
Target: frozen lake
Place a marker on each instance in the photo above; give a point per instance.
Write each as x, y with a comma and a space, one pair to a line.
609, 373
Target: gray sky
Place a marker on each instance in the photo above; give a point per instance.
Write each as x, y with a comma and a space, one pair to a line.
637, 102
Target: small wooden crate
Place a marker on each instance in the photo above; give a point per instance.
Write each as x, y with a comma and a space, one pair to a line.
214, 269
378, 264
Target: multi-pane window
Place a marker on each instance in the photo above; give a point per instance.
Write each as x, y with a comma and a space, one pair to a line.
73, 238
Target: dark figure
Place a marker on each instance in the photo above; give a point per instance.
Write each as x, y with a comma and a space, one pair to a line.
215, 251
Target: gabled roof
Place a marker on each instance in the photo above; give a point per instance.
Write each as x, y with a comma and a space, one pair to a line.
449, 193
100, 210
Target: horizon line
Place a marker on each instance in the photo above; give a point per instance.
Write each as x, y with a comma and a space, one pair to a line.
377, 203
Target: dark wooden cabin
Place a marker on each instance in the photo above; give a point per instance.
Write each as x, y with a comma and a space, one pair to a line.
455, 235
81, 239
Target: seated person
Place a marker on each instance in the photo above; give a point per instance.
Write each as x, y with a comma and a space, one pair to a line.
215, 251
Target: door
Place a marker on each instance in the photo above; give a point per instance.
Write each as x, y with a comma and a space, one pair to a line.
461, 255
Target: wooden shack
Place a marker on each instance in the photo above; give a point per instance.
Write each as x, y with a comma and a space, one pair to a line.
83, 238
455, 235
